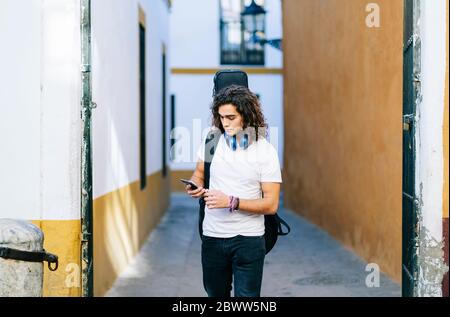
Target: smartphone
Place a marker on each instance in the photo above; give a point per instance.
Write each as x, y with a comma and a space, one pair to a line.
189, 182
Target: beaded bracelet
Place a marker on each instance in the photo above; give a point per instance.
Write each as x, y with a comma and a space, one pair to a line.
234, 203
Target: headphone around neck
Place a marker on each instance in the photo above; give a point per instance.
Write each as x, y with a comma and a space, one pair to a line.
232, 141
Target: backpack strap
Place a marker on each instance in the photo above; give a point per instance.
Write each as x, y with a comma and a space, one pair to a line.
280, 229
210, 148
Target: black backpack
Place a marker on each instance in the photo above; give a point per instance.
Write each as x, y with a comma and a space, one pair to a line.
272, 223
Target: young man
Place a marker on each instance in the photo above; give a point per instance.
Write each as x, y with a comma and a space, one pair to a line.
245, 180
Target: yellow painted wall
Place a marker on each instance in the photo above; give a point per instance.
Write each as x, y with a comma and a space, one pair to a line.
123, 220
175, 184
62, 238
343, 123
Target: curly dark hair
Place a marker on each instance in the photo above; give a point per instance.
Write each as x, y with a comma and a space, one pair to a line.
247, 105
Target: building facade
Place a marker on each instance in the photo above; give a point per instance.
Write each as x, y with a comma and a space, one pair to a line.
42, 129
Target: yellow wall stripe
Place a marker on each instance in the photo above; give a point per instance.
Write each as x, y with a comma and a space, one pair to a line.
142, 19
209, 71
123, 220
62, 237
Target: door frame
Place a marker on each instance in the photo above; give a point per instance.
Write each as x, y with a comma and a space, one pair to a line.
411, 98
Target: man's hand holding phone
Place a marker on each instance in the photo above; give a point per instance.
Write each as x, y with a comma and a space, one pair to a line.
193, 189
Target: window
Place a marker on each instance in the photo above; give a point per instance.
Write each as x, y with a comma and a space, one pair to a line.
236, 45
164, 93
172, 127
142, 121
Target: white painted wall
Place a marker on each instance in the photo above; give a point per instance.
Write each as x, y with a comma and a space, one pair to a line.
115, 31
270, 89
194, 33
195, 43
20, 108
274, 30
430, 112
60, 110
430, 172
39, 122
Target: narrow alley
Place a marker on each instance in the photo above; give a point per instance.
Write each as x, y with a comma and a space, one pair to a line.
307, 262
106, 109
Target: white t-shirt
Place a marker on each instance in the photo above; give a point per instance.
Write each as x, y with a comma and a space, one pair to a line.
239, 173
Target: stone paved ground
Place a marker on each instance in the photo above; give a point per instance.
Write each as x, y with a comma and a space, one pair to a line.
306, 263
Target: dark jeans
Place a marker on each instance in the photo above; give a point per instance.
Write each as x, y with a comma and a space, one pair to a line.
240, 258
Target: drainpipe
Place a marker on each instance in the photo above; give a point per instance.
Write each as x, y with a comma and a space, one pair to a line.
86, 153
